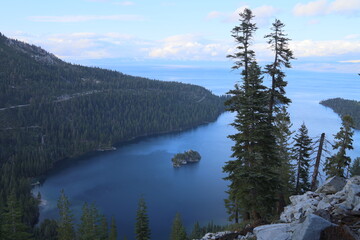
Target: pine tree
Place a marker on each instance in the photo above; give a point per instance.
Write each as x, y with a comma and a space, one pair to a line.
253, 180
178, 230
66, 222
196, 233
301, 154
142, 229
13, 228
339, 162
282, 55
243, 35
232, 206
1, 220
103, 228
283, 134
113, 230
89, 223
355, 167
48, 230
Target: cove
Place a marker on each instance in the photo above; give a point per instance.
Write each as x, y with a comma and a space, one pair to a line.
115, 181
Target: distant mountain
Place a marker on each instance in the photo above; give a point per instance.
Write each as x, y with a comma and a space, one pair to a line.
52, 110
345, 107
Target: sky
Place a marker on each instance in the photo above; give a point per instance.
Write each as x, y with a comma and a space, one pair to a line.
325, 33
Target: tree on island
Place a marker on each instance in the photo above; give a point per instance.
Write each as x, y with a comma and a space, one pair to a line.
339, 162
142, 229
301, 154
186, 157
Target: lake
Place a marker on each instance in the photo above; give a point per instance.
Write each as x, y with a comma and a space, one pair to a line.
115, 181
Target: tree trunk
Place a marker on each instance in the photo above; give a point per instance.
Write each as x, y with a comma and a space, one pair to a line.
317, 163
281, 204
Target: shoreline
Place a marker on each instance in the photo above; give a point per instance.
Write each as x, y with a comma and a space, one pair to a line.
66, 162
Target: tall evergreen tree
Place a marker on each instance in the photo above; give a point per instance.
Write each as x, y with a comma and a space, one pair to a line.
355, 167
113, 230
89, 223
47, 230
283, 134
243, 35
142, 229
13, 228
66, 221
178, 230
339, 162
278, 41
232, 205
1, 219
103, 228
301, 154
253, 180
196, 232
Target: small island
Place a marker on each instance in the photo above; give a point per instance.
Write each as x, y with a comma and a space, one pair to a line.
190, 156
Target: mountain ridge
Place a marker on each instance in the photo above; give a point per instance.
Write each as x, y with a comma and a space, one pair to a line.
51, 110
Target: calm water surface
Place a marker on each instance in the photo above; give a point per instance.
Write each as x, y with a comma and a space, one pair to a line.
114, 181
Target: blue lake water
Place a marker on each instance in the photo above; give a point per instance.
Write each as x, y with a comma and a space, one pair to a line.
115, 181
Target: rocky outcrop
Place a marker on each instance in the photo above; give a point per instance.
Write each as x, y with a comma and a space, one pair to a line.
342, 203
274, 231
334, 205
332, 212
311, 228
332, 185
227, 235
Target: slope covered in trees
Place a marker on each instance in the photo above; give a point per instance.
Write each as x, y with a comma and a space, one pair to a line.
51, 110
345, 107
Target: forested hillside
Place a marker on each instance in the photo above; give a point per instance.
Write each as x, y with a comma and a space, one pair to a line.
52, 110
345, 107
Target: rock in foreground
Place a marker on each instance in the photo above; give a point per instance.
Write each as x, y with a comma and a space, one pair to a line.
330, 213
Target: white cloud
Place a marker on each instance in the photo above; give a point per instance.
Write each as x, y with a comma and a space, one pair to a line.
350, 61
310, 48
344, 6
214, 14
352, 36
311, 8
234, 16
339, 55
262, 14
125, 3
85, 18
188, 47
313, 21
323, 7
86, 45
